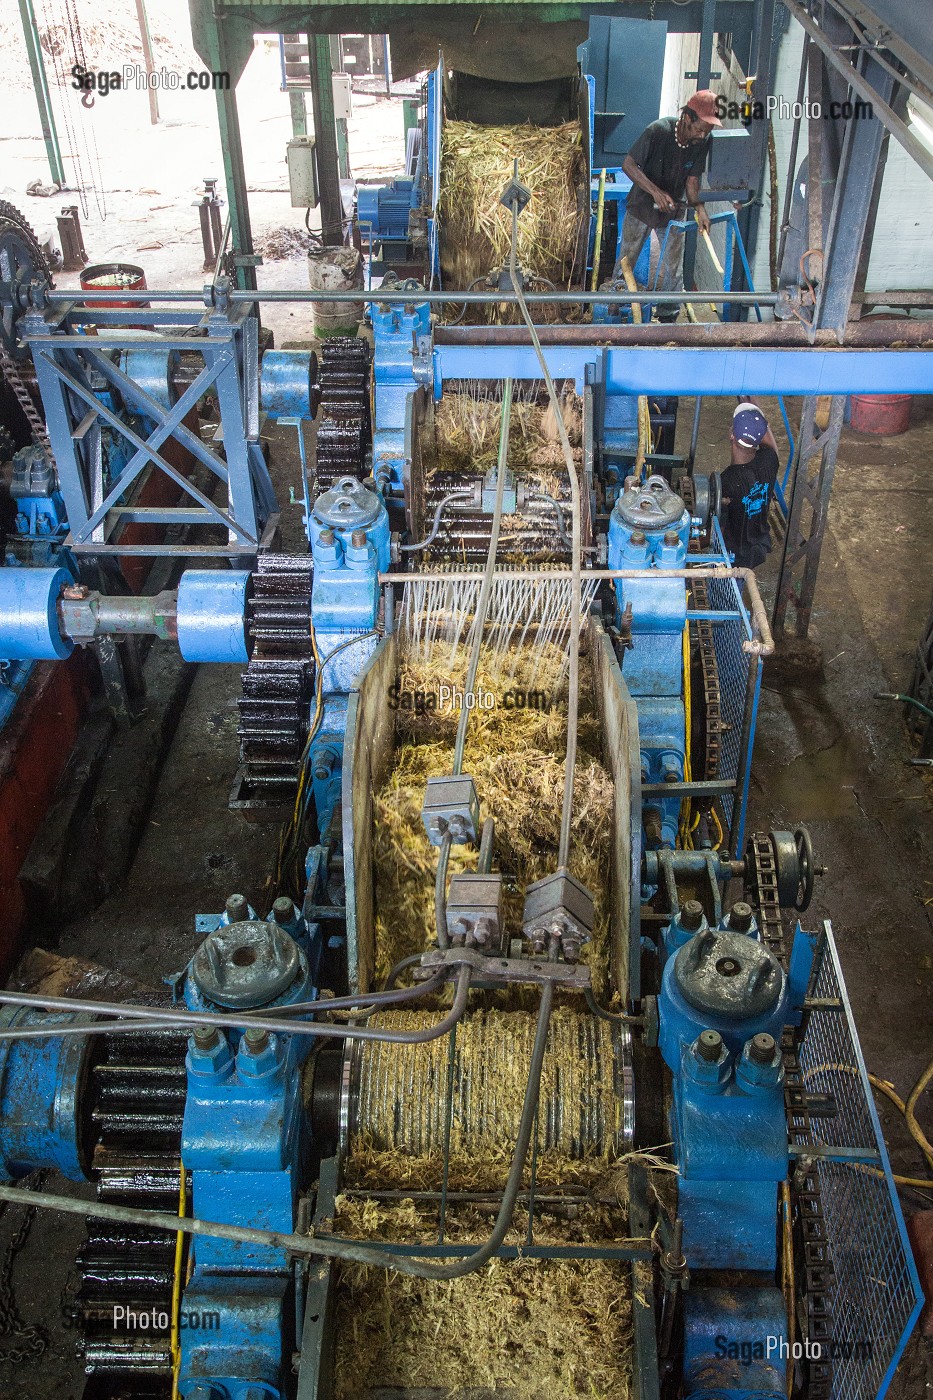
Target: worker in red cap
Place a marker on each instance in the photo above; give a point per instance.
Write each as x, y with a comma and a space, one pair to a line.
665, 165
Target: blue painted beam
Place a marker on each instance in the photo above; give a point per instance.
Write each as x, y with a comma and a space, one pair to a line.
712, 372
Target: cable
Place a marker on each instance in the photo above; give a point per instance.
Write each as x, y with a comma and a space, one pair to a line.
573, 677
155, 1019
558, 511
904, 699
486, 587
423, 544
399, 968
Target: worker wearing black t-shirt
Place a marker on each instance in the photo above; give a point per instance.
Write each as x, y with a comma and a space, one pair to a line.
748, 487
665, 165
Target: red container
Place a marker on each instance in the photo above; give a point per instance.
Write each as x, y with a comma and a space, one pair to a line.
111, 277
881, 414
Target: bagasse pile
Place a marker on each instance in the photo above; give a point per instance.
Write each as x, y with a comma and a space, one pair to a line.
516, 759
476, 229
534, 1330
466, 428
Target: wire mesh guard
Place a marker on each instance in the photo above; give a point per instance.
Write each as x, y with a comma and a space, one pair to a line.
875, 1296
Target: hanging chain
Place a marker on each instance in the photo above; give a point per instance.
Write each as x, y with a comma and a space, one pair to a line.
19, 1340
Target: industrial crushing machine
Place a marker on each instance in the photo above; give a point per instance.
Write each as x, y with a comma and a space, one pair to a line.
450, 1114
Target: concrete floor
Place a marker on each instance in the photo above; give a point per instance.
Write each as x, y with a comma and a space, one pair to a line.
827, 753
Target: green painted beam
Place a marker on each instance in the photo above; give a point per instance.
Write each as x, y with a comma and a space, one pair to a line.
41, 88
299, 113
325, 140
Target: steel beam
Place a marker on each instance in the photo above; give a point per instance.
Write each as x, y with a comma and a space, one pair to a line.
844, 253
807, 513
41, 88
720, 372
855, 185
325, 140
898, 129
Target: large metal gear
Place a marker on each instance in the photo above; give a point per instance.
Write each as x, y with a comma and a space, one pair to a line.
274, 705
21, 261
344, 427
137, 1101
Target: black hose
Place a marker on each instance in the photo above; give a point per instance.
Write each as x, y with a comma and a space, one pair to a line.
461, 1267
423, 544
399, 968
440, 891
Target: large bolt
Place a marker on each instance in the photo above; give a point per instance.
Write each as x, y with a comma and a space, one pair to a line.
672, 537
709, 1046
206, 1037
638, 537
691, 915
283, 910
358, 539
761, 1048
741, 917
326, 536
653, 823
256, 1039
237, 908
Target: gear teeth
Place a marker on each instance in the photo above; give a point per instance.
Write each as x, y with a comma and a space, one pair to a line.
344, 429
273, 707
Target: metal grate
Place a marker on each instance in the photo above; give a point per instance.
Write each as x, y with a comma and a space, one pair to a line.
876, 1296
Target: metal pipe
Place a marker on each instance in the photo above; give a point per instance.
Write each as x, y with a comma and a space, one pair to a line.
102, 298
880, 334
153, 1018
761, 645
792, 154
486, 843
436, 525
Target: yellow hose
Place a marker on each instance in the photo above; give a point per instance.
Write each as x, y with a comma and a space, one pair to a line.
176, 1281
597, 241
787, 1278
644, 417
885, 1087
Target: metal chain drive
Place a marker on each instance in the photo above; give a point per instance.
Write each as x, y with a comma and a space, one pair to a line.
36, 424
812, 1252
714, 727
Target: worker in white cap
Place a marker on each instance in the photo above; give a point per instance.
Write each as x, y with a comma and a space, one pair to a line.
748, 486
665, 165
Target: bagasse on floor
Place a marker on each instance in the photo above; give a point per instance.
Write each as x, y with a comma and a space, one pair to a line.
531, 1329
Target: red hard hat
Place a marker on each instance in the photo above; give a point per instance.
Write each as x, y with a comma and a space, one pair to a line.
703, 105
